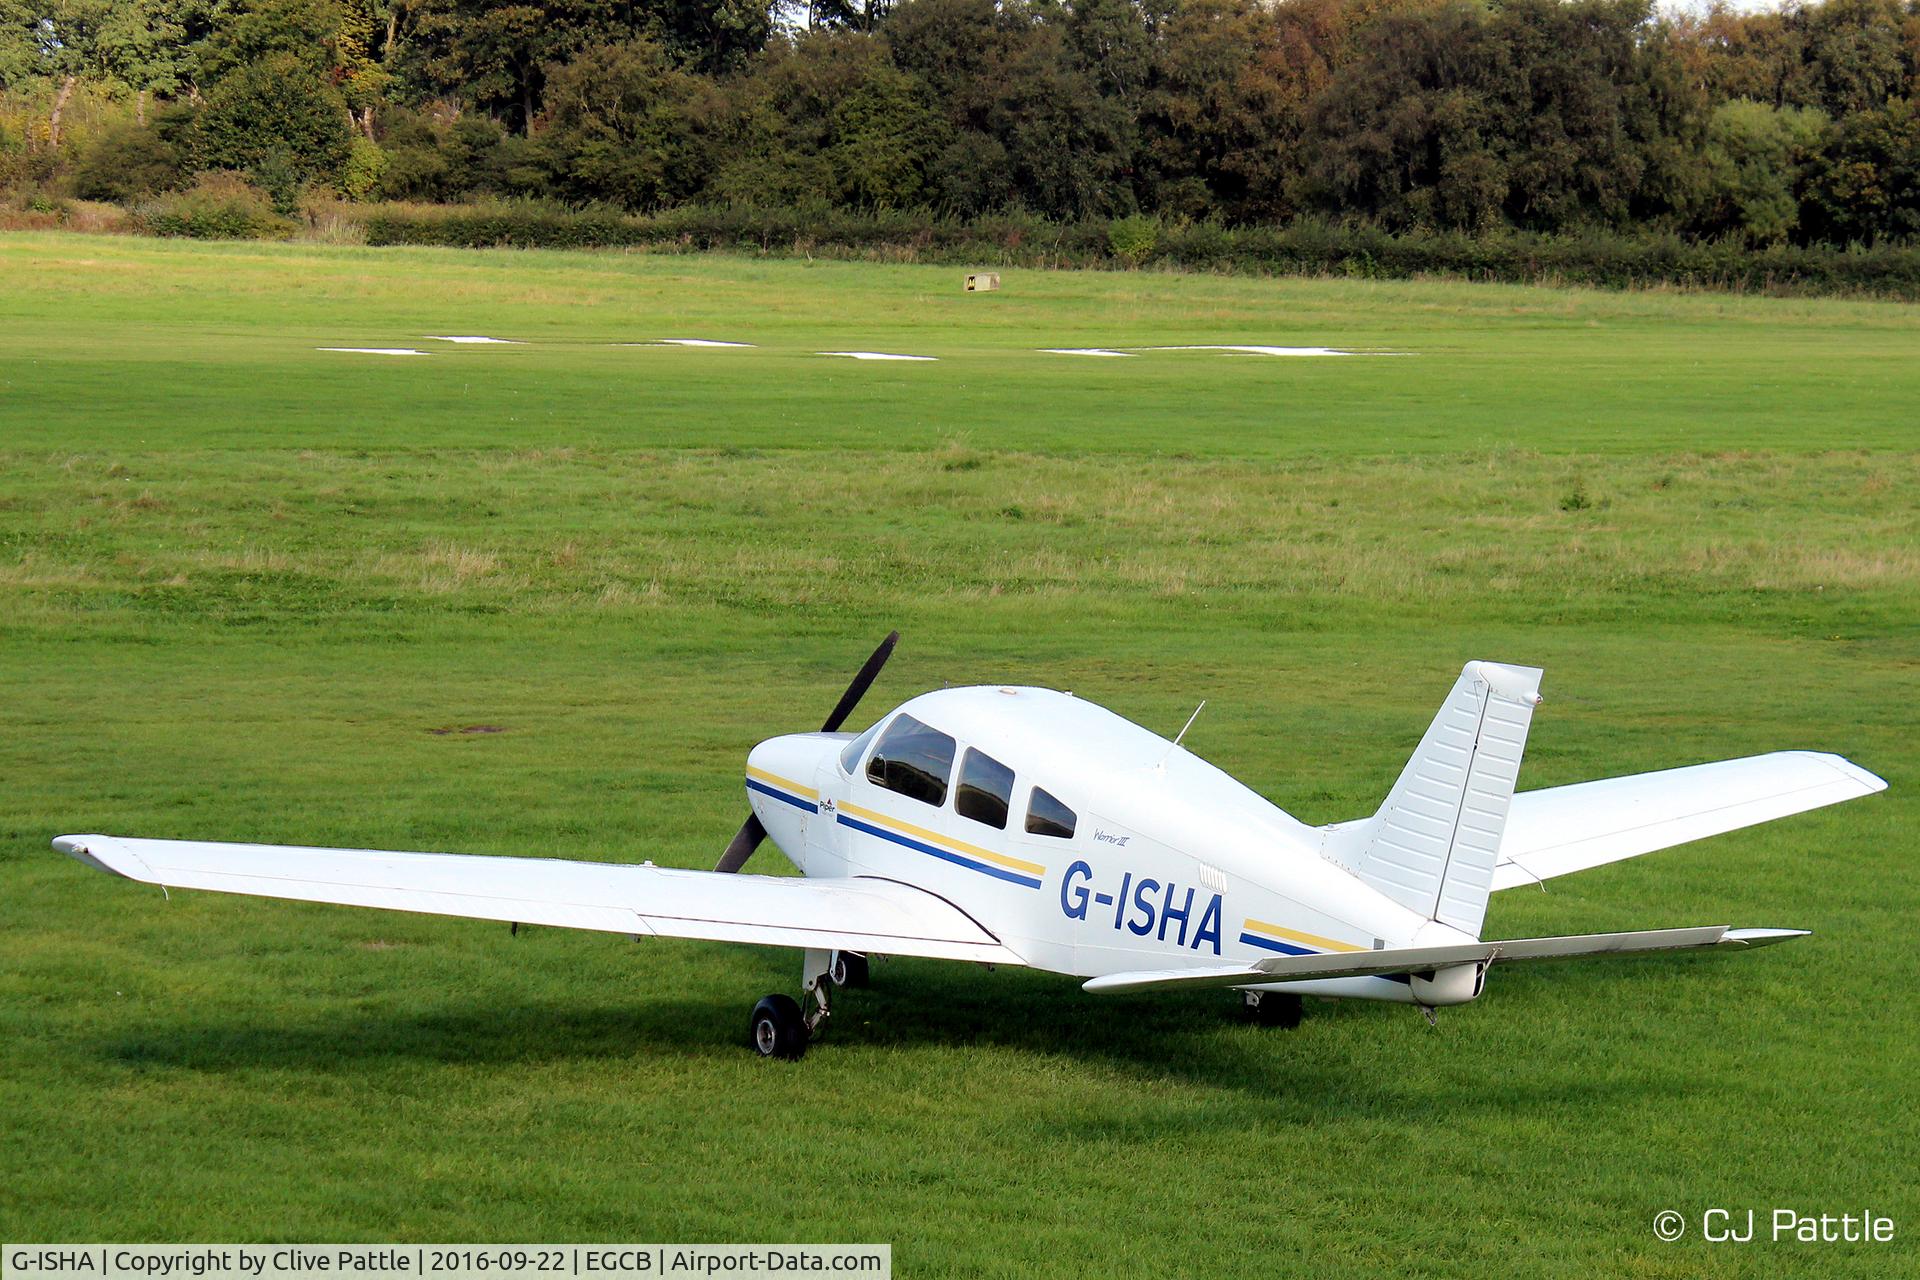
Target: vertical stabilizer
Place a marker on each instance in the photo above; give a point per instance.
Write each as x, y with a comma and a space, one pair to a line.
1433, 844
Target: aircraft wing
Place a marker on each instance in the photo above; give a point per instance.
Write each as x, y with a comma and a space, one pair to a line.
1559, 830
853, 913
1362, 964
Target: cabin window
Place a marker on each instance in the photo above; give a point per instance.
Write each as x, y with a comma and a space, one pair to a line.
985, 790
851, 753
1046, 816
914, 760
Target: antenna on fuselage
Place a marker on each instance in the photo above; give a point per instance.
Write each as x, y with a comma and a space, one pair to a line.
1161, 767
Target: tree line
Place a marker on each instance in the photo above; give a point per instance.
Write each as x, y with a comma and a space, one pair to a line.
1461, 116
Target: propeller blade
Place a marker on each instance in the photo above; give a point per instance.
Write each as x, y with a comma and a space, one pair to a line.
741, 847
855, 691
751, 833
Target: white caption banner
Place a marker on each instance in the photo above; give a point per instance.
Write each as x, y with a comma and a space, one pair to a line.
439, 1261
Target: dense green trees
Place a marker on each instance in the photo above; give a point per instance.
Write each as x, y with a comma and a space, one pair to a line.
1792, 126
1869, 180
1755, 166
832, 120
623, 124
276, 118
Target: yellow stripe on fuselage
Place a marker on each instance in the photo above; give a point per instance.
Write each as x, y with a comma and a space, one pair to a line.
934, 837
774, 779
1304, 939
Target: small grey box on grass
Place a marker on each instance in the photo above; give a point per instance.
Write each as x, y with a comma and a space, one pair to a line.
982, 281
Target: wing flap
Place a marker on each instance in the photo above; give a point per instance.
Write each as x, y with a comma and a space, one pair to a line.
1559, 830
855, 914
1361, 964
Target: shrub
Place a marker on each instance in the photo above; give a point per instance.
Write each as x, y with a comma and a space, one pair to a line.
1199, 244
275, 175
31, 210
366, 165
1132, 239
125, 162
220, 206
517, 224
328, 219
96, 217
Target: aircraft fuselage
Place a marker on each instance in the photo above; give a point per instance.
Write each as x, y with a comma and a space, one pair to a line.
1091, 845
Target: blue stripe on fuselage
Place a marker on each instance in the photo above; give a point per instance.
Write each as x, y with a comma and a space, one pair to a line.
945, 854
1284, 948
777, 794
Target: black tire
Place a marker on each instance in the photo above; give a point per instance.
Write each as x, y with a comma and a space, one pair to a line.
777, 1030
1276, 1009
849, 969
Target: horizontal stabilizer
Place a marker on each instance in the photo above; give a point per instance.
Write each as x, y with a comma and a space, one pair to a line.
1559, 830
1361, 964
850, 914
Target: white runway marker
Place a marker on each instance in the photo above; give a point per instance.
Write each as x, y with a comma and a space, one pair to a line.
682, 342
1262, 351
873, 355
476, 338
1084, 351
375, 351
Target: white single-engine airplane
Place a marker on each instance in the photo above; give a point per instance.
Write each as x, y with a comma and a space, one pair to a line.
1022, 826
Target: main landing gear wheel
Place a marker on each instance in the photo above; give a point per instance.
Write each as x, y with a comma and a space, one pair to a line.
1274, 1008
778, 1030
848, 970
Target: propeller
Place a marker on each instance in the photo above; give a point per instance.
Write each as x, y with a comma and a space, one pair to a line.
751, 833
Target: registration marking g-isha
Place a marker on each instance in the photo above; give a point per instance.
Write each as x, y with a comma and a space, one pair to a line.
1144, 907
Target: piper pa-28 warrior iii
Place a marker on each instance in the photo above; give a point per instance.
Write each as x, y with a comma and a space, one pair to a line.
1020, 826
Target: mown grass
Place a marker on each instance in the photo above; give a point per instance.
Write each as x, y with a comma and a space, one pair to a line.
246, 587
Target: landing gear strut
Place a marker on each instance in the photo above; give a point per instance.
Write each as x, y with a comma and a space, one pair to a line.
1273, 1008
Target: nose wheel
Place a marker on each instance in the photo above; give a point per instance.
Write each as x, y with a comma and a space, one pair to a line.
778, 1028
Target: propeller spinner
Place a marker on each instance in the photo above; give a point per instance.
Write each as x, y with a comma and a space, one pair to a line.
751, 833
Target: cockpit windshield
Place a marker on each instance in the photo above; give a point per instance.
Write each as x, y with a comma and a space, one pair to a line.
851, 753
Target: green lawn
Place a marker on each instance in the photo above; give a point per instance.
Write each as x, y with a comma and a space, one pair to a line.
241, 580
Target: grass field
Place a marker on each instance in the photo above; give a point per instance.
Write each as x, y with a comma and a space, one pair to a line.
244, 582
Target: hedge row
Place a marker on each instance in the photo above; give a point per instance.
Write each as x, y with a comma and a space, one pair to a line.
1302, 248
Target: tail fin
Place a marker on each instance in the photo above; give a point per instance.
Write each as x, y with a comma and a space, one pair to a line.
1433, 844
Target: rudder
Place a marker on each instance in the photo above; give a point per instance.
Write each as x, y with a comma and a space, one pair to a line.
1434, 842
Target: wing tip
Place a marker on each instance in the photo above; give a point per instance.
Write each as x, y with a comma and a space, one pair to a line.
82, 848
1866, 778
1763, 937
